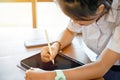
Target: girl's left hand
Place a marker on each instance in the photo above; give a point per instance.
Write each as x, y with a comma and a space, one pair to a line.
35, 74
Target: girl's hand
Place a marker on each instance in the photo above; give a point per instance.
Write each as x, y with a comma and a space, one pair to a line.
34, 74
45, 54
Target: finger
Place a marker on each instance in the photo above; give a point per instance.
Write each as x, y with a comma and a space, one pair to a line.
53, 55
44, 49
45, 54
45, 59
27, 76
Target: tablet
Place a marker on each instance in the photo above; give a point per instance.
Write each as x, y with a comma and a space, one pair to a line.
61, 62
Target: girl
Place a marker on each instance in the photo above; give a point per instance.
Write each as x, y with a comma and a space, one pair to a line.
99, 22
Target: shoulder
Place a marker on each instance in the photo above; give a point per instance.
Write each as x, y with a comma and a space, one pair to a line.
74, 27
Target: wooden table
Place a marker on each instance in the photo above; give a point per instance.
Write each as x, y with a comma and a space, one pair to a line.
12, 50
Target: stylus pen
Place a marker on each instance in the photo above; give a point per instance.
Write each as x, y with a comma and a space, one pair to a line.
50, 50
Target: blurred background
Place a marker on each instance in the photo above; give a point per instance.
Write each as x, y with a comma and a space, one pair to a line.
31, 13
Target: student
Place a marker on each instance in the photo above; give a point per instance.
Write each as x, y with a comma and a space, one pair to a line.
99, 22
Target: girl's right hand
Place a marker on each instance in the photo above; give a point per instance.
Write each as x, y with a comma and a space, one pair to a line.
45, 54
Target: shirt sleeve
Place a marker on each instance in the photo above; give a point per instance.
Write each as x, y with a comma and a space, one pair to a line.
115, 41
74, 27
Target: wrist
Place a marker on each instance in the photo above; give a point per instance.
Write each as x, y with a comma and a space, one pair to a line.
58, 45
60, 75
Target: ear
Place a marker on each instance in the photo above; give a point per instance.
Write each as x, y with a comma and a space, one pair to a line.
100, 9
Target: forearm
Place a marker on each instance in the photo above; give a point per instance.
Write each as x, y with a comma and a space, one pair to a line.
94, 70
87, 72
80, 73
100, 78
65, 38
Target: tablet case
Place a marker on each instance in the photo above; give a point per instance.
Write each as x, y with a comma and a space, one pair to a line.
61, 62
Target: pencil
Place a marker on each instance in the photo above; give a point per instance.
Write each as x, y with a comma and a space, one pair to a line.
50, 50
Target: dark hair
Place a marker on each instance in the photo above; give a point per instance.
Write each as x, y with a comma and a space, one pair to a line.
81, 9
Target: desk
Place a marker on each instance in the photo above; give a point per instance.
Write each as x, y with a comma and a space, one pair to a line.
12, 50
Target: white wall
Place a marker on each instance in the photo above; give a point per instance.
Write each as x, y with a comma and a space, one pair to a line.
20, 15
15, 14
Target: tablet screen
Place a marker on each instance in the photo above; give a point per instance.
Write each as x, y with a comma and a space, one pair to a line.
61, 62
